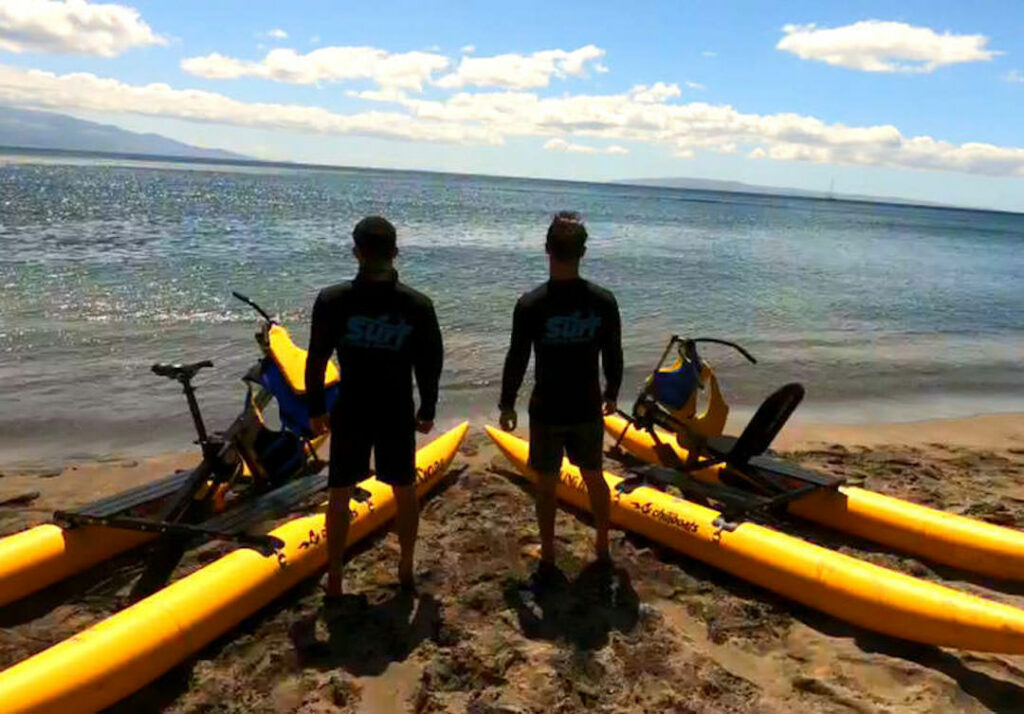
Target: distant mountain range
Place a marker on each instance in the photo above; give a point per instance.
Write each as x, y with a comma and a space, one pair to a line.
694, 184
32, 129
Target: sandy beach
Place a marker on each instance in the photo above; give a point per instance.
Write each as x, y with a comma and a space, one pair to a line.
671, 634
816, 208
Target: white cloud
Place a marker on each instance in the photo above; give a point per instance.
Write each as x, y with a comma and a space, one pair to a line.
697, 86
514, 71
314, 40
708, 53
215, 66
276, 34
408, 70
644, 115
468, 49
685, 129
657, 93
877, 46
1014, 76
563, 145
89, 93
72, 27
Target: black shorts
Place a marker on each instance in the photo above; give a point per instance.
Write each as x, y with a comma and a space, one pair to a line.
394, 452
582, 443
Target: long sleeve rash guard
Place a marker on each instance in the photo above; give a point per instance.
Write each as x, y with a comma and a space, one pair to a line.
383, 331
568, 323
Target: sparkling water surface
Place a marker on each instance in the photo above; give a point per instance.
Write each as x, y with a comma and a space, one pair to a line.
883, 312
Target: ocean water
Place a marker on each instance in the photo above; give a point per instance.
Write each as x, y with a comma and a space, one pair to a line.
883, 312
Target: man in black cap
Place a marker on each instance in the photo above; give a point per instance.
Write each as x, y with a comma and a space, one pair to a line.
383, 331
568, 322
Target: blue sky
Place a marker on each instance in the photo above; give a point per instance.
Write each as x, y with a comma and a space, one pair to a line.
920, 100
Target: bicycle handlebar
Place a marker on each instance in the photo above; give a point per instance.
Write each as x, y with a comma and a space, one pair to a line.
251, 303
717, 341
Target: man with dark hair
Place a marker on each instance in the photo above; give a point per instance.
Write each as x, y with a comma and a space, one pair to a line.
568, 322
383, 331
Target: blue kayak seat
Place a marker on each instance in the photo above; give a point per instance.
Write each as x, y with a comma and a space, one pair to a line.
292, 407
674, 386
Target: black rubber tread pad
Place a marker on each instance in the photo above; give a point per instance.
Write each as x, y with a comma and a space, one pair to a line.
137, 496
718, 491
734, 497
787, 469
659, 474
273, 503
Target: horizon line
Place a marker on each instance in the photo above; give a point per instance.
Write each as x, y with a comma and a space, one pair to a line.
297, 165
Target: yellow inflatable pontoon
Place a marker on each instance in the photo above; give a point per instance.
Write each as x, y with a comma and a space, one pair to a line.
105, 663
941, 537
850, 589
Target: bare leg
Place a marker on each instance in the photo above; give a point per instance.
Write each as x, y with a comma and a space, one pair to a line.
408, 522
600, 506
546, 504
337, 535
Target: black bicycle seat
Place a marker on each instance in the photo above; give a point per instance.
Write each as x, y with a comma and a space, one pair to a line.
180, 372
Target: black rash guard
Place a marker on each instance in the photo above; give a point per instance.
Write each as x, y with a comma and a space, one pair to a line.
568, 323
382, 330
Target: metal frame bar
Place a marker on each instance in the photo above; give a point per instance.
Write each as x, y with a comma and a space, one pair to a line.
262, 542
737, 503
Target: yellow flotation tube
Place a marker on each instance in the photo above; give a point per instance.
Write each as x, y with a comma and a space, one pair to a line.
850, 589
98, 667
41, 556
941, 537
291, 359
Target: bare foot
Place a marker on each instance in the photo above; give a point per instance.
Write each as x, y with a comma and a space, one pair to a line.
531, 551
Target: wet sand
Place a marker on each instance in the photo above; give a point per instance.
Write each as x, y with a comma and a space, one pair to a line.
667, 633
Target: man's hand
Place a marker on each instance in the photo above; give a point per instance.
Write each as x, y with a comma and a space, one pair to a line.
320, 424
610, 407
508, 419
423, 426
